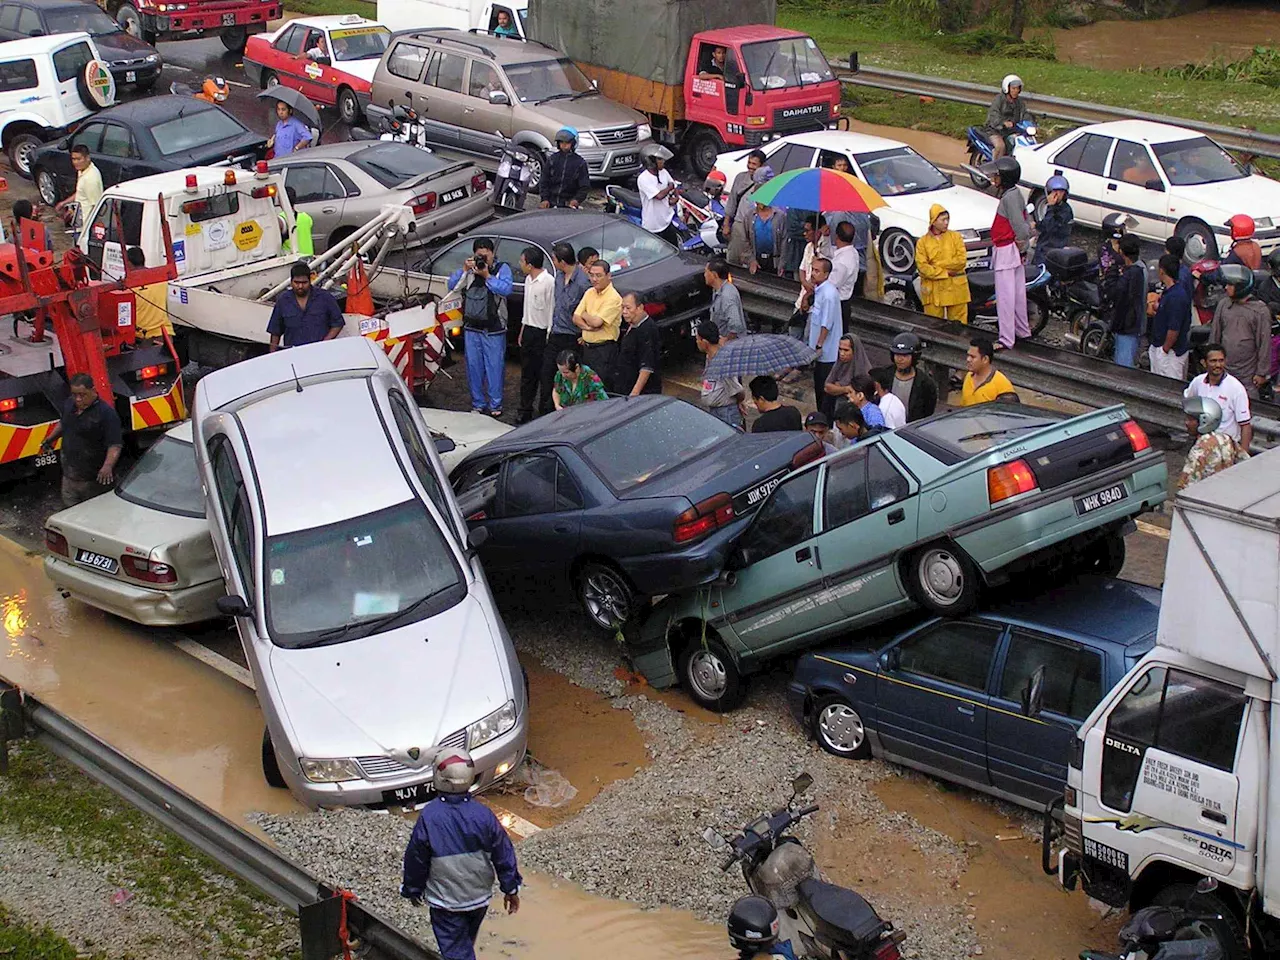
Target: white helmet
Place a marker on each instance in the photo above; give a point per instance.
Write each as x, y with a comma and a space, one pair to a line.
455, 771
653, 152
1207, 412
1012, 80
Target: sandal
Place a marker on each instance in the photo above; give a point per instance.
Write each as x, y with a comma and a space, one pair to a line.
496, 414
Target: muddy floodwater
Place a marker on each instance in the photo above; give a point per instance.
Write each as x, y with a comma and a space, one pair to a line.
1229, 32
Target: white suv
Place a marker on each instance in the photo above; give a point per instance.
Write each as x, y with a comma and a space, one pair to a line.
47, 86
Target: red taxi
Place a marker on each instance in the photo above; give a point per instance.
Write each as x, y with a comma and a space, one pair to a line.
328, 59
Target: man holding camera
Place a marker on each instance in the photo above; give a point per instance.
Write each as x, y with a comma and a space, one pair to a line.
485, 287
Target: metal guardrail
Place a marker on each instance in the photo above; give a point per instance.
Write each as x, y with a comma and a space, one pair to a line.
1064, 374
1074, 111
253, 860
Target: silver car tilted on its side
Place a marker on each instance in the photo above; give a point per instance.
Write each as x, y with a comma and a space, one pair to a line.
364, 614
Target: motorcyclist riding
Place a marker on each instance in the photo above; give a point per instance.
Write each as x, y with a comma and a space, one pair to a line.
1053, 229
1007, 110
1244, 249
753, 929
567, 178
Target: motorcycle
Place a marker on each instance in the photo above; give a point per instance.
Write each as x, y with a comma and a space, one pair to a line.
404, 126
822, 921
511, 188
696, 217
1170, 933
904, 290
980, 152
1074, 292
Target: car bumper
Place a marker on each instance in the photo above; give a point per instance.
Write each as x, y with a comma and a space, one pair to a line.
143, 74
452, 219
678, 570
153, 608
613, 162
254, 21
797, 698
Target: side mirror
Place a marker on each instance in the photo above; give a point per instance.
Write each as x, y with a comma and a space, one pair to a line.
1033, 694
233, 606
891, 659
37, 32
801, 784
1155, 184
499, 98
445, 445
477, 537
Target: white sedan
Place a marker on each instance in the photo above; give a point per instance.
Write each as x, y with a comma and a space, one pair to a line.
909, 183
1170, 180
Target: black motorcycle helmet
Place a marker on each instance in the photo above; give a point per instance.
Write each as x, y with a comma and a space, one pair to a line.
1273, 262
1239, 278
907, 343
1009, 172
752, 924
1113, 225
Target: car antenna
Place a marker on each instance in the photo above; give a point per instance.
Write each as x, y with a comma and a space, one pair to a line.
296, 381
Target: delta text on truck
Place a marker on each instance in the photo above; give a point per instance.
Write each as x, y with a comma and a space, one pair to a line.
773, 81
1172, 778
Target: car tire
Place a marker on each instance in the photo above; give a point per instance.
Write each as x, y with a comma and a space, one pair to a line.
338, 236
47, 185
605, 594
1228, 932
1103, 558
535, 165
269, 79
1198, 228
710, 676
897, 251
130, 21
943, 579
702, 150
839, 729
271, 768
21, 149
235, 39
348, 106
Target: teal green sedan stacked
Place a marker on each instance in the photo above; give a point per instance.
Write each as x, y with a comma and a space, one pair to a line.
924, 516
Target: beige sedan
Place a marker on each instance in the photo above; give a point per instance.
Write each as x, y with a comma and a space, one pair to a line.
142, 550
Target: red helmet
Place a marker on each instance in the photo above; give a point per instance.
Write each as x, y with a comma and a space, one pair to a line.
718, 176
1242, 226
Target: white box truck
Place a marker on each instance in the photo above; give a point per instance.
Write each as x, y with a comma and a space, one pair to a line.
457, 14
1174, 776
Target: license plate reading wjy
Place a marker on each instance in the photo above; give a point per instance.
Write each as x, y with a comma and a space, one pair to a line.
228, 19
748, 500
1103, 498
453, 195
408, 796
97, 561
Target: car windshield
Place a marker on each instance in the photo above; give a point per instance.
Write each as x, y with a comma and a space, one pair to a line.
653, 443
165, 479
82, 18
195, 129
967, 433
357, 576
791, 62
392, 164
540, 80
359, 43
623, 245
900, 170
1198, 160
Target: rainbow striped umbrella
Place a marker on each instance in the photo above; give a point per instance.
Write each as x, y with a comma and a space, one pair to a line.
820, 189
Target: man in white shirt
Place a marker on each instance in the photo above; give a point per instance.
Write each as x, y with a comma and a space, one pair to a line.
539, 304
1230, 393
657, 190
844, 267
891, 408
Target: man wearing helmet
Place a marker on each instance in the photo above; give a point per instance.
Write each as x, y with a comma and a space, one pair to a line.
1010, 236
456, 849
753, 929
1053, 228
657, 194
1244, 249
567, 179
917, 391
1242, 324
1007, 110
1217, 411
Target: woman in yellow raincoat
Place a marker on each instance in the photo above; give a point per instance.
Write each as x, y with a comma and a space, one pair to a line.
941, 261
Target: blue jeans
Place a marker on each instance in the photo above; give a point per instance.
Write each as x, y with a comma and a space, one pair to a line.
729, 413
1126, 349
485, 353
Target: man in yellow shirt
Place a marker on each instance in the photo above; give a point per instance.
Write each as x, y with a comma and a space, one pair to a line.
88, 190
599, 317
151, 303
983, 383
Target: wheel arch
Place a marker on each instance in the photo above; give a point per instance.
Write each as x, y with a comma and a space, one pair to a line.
19, 124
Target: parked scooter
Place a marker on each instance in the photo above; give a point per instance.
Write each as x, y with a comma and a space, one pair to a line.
904, 289
1171, 933
511, 188
696, 217
213, 90
1074, 292
980, 152
404, 126
822, 921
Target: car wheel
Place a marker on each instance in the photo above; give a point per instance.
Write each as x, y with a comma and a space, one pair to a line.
21, 149
130, 20
47, 184
270, 768
1040, 203
1104, 557
605, 595
269, 79
943, 580
1198, 228
234, 39
702, 150
535, 169
839, 729
897, 251
710, 675
348, 106
1227, 932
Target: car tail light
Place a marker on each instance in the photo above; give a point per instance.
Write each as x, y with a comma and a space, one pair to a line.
150, 373
1009, 480
887, 948
149, 570
655, 309
260, 193
807, 454
424, 203
56, 542
195, 206
478, 183
11, 404
701, 519
1137, 436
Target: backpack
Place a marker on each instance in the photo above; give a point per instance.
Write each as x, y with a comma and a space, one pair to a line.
482, 309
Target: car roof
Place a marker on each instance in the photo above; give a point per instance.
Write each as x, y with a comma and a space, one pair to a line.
222, 388
335, 21
33, 46
500, 50
749, 33
577, 424
163, 107
844, 140
544, 227
307, 478
1143, 131
1101, 608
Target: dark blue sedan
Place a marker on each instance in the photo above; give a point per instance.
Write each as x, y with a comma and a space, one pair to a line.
620, 499
992, 700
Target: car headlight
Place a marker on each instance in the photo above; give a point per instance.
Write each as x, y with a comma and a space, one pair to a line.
495, 724
329, 771
644, 132
587, 140
970, 235
1031, 131
152, 57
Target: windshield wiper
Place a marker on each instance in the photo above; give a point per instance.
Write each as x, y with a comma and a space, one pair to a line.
557, 96
364, 626
582, 93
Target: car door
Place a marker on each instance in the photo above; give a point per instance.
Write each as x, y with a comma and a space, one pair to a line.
539, 519
1028, 748
68, 64
869, 515
482, 117
287, 60
1136, 187
405, 65
319, 193
931, 697
59, 162
441, 106
117, 157
105, 249
9, 21
1083, 162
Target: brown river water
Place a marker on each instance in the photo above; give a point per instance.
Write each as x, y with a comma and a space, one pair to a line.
1224, 31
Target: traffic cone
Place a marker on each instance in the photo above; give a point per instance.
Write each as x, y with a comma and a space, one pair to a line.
359, 299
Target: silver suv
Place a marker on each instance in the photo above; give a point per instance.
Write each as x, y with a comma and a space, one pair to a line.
473, 90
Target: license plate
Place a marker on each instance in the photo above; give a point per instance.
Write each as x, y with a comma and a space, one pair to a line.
130, 76
625, 160
980, 265
408, 796
1103, 498
453, 195
46, 459
751, 498
97, 561
228, 19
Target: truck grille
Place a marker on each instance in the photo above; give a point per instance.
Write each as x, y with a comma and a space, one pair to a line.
384, 768
810, 116
616, 136
1072, 835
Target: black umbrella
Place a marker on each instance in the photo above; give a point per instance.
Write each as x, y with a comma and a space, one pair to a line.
303, 107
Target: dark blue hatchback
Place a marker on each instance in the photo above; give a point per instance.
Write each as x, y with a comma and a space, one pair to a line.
992, 700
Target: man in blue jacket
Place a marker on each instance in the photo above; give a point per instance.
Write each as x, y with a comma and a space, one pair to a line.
456, 849
1171, 325
485, 284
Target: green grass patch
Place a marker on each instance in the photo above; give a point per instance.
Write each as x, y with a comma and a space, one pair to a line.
938, 116
320, 8
1262, 66
21, 941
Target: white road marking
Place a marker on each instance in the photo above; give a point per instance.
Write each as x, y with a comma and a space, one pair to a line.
228, 668
1151, 529
237, 83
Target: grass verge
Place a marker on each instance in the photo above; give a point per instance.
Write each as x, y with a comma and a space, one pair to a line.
20, 941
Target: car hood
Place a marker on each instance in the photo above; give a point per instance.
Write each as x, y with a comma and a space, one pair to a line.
468, 432
363, 69
969, 209
385, 694
586, 114
122, 46
109, 521
1259, 195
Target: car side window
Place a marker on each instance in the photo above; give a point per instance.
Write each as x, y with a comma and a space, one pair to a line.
846, 493
568, 496
90, 136
1069, 156
405, 61
955, 652
885, 485
445, 71
18, 75
9, 17
785, 520
1072, 674
313, 182
117, 141
530, 485
477, 488
418, 456
290, 41
1131, 163
29, 22
793, 156
234, 504
483, 81
69, 61
1094, 157
453, 258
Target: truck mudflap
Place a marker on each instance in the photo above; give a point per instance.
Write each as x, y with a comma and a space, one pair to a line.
158, 409
647, 645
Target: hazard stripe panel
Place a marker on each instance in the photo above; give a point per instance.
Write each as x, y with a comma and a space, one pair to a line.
18, 442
